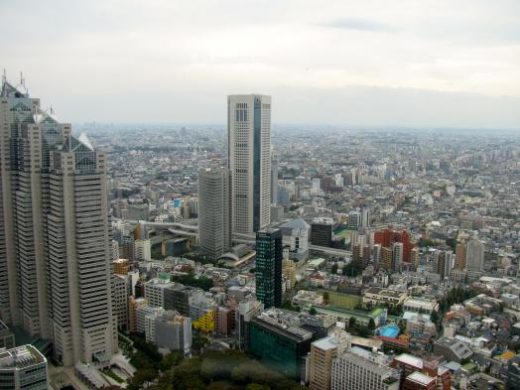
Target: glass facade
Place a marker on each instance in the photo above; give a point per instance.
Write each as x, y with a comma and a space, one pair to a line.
269, 267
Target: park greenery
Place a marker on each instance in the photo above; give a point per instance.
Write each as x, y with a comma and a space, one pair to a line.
211, 370
193, 281
354, 268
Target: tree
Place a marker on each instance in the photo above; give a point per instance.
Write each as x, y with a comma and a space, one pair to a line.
326, 297
352, 323
312, 311
170, 360
199, 341
334, 269
371, 325
434, 317
142, 377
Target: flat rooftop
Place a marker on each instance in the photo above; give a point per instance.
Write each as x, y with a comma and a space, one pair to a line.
410, 360
420, 378
20, 357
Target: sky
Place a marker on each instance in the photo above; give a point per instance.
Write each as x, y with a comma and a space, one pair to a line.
424, 63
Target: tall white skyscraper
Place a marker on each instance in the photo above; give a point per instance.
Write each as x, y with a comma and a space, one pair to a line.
249, 158
274, 179
214, 211
55, 247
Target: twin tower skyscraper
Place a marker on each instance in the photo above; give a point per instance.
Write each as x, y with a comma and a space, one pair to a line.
238, 199
55, 258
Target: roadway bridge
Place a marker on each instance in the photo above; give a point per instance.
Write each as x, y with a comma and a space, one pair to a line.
241, 238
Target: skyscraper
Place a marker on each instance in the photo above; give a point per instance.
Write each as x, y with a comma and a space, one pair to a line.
249, 159
55, 244
214, 211
274, 179
269, 254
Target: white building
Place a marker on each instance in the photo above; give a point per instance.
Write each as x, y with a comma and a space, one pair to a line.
23, 367
249, 148
154, 291
120, 294
143, 250
173, 332
296, 237
358, 369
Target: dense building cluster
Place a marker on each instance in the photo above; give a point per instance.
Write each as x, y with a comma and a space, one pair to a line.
341, 259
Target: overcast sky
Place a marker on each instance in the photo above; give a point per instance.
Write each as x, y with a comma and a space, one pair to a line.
440, 63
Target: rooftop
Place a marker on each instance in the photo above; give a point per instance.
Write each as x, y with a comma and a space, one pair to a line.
410, 360
20, 357
420, 378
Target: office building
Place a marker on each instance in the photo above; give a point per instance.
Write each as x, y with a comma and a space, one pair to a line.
397, 256
278, 340
23, 367
359, 369
274, 179
321, 231
120, 295
55, 227
269, 254
203, 312
474, 256
173, 332
323, 352
249, 159
154, 291
460, 256
248, 308
214, 212
133, 305
386, 238
177, 297
444, 263
145, 316
365, 217
143, 250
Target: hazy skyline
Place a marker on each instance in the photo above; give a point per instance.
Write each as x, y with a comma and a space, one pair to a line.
425, 63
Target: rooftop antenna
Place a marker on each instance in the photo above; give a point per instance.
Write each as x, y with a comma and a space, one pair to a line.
22, 80
51, 110
4, 76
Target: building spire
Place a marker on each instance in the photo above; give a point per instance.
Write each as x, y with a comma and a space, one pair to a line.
22, 80
4, 77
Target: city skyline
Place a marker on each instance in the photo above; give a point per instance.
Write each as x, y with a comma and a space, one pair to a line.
357, 64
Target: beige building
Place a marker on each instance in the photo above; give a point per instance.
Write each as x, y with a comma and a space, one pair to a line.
54, 226
323, 352
249, 159
289, 273
382, 297
121, 266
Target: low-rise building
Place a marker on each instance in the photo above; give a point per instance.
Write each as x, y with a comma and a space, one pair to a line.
306, 298
379, 296
452, 349
420, 305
